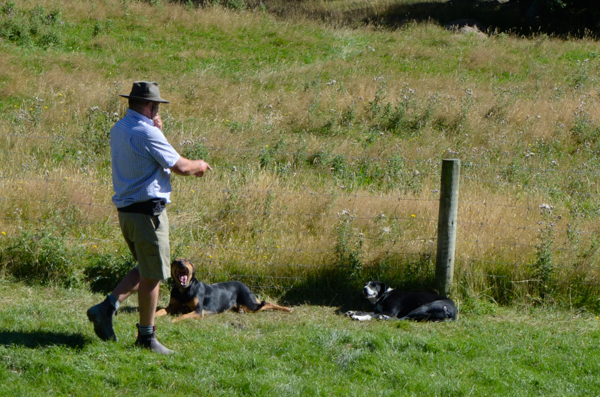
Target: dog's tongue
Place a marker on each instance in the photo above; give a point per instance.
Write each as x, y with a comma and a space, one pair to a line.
183, 279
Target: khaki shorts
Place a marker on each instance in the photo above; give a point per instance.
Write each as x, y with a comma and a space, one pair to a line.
148, 239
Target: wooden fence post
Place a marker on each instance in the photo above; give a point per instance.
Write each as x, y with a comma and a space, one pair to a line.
444, 270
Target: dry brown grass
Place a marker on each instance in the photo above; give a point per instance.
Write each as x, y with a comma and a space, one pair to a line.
295, 218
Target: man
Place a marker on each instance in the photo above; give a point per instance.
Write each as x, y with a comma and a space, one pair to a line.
142, 162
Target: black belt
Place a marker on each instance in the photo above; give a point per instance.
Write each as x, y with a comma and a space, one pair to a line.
152, 207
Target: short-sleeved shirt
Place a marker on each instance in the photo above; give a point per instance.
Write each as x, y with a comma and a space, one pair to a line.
141, 158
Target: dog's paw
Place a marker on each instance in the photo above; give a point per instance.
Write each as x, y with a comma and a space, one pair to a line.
358, 316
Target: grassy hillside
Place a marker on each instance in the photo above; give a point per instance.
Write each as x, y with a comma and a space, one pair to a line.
326, 144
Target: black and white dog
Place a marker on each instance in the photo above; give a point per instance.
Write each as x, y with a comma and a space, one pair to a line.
392, 304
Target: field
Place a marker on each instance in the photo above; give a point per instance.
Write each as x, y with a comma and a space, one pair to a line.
326, 135
48, 347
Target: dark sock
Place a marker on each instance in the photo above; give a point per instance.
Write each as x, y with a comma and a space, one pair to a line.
113, 301
145, 329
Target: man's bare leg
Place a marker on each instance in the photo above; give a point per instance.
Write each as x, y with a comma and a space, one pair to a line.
148, 299
127, 286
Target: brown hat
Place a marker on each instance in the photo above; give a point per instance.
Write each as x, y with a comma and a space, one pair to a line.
146, 91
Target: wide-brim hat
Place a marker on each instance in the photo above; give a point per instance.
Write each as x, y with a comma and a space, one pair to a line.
146, 91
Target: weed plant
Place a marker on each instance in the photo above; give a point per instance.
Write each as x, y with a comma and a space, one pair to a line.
36, 27
304, 121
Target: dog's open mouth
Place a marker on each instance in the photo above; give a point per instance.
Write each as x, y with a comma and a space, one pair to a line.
183, 276
370, 294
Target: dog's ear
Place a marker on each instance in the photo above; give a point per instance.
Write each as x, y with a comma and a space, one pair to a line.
174, 266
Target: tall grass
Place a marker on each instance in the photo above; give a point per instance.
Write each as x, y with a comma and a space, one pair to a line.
326, 144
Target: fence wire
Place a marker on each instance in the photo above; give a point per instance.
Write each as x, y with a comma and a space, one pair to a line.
409, 232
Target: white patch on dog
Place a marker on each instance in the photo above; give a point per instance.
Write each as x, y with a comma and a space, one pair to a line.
371, 294
358, 317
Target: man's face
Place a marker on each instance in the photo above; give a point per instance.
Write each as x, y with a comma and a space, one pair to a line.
154, 109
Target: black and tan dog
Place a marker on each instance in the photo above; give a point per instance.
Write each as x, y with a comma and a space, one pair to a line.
196, 299
392, 304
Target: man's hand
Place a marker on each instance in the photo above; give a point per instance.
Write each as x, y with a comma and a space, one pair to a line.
187, 167
158, 122
203, 168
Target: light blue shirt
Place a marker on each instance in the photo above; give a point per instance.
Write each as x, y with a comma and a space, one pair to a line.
141, 158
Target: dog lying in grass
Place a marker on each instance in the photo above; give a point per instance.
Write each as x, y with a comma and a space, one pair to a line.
392, 304
196, 299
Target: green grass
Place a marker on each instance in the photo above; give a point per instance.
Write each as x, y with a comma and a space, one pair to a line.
326, 140
47, 345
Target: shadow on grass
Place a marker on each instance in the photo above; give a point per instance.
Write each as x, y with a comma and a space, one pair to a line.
128, 309
522, 17
330, 286
338, 287
344, 300
37, 339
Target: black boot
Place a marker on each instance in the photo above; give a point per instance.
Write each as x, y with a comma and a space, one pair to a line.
101, 315
150, 342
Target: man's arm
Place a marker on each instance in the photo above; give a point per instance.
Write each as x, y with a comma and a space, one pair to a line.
187, 167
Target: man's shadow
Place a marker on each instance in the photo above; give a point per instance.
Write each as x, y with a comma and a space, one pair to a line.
41, 339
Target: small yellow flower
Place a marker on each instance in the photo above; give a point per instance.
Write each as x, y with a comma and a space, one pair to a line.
210, 256
413, 215
95, 246
4, 233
